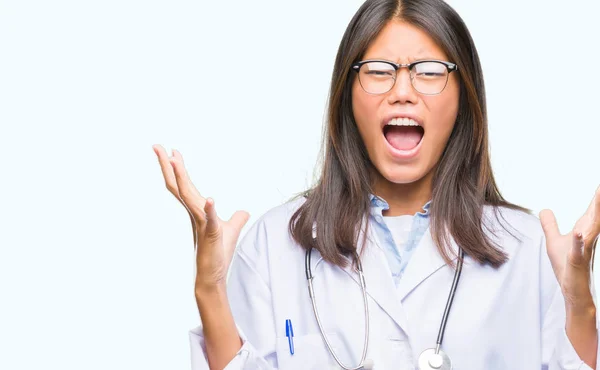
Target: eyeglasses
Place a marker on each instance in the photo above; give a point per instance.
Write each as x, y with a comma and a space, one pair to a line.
428, 77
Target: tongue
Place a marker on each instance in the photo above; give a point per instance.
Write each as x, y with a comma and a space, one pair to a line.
404, 137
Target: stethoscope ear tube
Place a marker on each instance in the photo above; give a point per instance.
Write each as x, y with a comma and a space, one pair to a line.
307, 269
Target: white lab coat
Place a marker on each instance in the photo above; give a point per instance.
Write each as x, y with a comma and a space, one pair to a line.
507, 318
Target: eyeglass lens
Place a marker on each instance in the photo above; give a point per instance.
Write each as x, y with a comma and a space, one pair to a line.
427, 77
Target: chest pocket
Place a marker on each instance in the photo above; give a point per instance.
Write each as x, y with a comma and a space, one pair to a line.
310, 352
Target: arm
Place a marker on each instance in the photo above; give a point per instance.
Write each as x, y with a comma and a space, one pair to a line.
219, 342
582, 332
246, 337
220, 333
571, 259
565, 346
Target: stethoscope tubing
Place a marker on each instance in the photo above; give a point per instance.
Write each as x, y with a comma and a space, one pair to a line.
457, 273
311, 292
363, 286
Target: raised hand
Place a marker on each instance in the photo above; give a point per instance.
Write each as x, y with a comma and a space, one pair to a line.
571, 258
571, 254
214, 239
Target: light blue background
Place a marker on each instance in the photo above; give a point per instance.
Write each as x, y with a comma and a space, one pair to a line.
96, 260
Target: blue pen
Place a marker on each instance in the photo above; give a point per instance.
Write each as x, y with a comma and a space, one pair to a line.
289, 333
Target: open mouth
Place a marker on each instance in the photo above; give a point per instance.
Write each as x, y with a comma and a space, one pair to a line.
403, 133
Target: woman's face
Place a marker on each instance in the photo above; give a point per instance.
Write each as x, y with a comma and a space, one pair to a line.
404, 155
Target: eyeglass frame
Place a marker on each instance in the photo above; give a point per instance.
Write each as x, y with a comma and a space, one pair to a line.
451, 67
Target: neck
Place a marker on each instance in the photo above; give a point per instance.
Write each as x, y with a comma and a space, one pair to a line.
404, 199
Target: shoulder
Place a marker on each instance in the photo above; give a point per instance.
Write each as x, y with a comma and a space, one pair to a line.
266, 241
514, 229
270, 228
525, 242
281, 214
514, 221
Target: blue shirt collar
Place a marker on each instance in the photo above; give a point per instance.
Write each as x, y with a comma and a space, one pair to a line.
380, 204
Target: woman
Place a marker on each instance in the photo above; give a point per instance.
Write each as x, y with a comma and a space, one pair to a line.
406, 188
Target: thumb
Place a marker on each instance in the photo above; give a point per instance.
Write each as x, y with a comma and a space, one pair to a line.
212, 220
238, 220
549, 224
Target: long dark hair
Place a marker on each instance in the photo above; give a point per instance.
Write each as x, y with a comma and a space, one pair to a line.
463, 182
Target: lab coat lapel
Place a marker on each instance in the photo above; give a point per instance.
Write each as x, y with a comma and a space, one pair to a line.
424, 262
379, 282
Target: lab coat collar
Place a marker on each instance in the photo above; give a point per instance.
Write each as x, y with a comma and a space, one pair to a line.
379, 204
378, 277
426, 258
425, 261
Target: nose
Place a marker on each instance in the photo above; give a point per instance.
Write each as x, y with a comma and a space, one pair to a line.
403, 90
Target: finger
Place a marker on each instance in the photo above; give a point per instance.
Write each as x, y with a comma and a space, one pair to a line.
189, 197
589, 223
212, 220
177, 155
166, 168
238, 220
549, 224
593, 214
175, 188
171, 183
594, 206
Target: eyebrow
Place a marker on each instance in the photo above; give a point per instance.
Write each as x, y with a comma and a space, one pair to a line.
420, 53
410, 59
419, 56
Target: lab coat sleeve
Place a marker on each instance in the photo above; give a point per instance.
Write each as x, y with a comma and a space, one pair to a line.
249, 295
557, 351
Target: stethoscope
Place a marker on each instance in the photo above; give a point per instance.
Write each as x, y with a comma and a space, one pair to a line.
430, 359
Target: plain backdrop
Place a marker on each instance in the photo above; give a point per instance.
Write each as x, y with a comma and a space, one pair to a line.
96, 257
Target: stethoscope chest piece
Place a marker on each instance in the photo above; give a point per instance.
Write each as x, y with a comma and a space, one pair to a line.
429, 360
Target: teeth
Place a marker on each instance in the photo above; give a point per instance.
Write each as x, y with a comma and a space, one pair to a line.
403, 122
